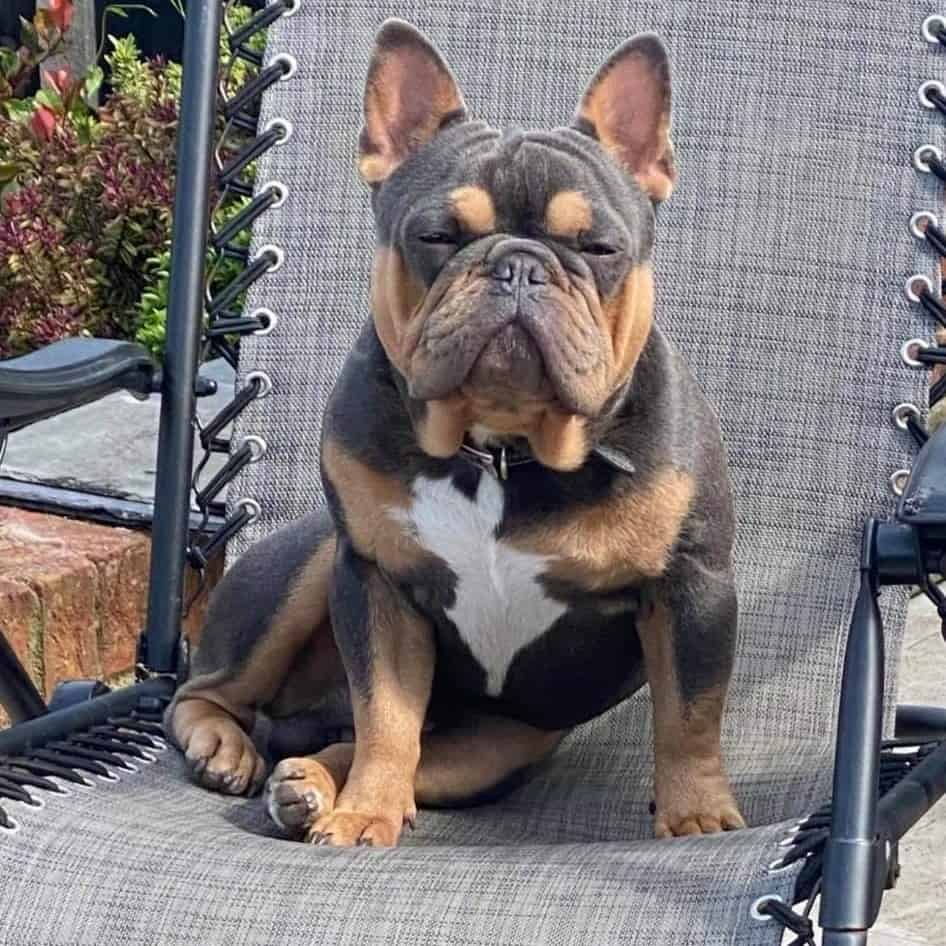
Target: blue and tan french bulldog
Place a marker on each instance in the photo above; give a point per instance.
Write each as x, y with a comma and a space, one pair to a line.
529, 513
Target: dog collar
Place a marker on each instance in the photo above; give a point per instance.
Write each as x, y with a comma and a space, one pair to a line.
495, 460
499, 460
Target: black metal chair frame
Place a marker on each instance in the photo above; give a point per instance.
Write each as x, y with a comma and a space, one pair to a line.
880, 790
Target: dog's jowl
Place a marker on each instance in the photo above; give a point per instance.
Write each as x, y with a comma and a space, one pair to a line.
528, 512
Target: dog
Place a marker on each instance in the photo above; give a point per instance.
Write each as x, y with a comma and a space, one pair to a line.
528, 506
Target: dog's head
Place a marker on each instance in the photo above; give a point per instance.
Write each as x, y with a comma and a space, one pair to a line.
512, 287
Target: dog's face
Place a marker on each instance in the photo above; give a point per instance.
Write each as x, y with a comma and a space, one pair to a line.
512, 287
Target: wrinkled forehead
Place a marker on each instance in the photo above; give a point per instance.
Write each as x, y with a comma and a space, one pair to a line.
535, 183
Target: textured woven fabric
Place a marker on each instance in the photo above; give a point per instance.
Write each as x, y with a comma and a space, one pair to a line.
780, 266
153, 860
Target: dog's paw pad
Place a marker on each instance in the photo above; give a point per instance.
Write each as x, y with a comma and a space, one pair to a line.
298, 792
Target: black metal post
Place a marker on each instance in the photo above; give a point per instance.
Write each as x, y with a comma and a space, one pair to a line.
18, 696
185, 311
854, 860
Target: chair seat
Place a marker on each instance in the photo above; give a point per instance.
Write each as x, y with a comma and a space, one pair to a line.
564, 859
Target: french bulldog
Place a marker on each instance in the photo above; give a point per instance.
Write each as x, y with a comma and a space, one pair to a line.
528, 506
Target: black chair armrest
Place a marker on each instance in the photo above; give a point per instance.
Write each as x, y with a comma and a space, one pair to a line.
69, 373
923, 502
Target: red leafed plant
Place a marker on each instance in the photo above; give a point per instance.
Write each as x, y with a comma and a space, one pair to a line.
86, 190
87, 204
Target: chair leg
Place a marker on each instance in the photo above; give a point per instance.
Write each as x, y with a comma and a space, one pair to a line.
18, 696
855, 860
185, 308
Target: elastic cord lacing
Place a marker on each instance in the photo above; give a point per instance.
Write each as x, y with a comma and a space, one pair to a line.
240, 146
809, 838
796, 923
102, 750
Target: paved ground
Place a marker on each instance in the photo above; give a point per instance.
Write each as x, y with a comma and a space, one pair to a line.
108, 446
917, 908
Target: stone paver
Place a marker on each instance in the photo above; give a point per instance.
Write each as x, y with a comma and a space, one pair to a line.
916, 906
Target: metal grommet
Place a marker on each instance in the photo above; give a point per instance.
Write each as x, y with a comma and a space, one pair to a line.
922, 93
918, 223
903, 411
909, 287
257, 447
251, 507
898, 481
284, 125
280, 255
922, 155
761, 901
290, 62
265, 383
267, 316
936, 21
907, 351
293, 8
282, 192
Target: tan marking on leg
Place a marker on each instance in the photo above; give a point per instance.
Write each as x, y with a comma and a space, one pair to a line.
474, 209
221, 755
458, 763
396, 295
368, 499
567, 214
207, 705
626, 537
691, 789
378, 796
631, 315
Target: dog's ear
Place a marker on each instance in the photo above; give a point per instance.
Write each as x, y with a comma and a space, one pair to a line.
410, 94
627, 108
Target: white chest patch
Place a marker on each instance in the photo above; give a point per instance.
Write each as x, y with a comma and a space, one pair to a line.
500, 605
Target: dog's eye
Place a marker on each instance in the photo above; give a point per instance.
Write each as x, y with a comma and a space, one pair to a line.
438, 238
597, 248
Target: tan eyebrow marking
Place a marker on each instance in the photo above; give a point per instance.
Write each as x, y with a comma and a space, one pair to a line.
474, 209
568, 213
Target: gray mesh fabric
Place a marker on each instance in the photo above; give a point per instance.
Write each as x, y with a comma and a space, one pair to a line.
780, 270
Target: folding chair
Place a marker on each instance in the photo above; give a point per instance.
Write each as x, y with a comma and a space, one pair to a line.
807, 140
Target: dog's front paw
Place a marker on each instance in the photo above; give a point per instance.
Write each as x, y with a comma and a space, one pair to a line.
351, 828
298, 792
223, 758
696, 805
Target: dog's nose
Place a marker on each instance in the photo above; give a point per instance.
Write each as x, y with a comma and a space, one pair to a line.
517, 269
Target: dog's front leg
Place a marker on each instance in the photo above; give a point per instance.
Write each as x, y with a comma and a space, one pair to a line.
388, 652
687, 633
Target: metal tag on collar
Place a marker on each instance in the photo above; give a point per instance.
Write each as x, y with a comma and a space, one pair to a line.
503, 466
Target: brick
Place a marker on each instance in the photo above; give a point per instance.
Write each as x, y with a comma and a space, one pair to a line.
123, 595
21, 624
73, 595
34, 549
194, 619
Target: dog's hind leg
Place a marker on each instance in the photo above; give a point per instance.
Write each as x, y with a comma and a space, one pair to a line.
468, 763
270, 606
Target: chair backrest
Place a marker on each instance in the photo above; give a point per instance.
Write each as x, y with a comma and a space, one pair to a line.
781, 265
